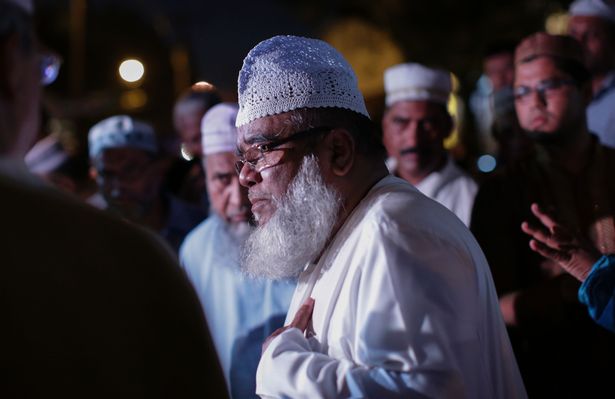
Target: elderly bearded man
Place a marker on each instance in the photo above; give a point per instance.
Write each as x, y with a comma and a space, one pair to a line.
394, 297
241, 311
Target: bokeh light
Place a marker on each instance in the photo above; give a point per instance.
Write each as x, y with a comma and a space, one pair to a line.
131, 70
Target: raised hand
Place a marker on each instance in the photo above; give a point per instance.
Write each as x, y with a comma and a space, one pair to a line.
301, 321
556, 242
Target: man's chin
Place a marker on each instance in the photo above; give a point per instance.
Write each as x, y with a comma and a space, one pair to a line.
546, 138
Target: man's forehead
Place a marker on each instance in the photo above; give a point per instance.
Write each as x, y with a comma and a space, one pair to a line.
540, 68
124, 154
220, 159
263, 129
410, 108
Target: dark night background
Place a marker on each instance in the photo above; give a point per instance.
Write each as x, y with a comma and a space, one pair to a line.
181, 42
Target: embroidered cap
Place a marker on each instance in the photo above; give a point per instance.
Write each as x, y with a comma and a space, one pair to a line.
415, 82
121, 131
284, 73
543, 44
218, 130
593, 8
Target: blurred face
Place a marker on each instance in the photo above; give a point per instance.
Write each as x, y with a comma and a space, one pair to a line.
596, 36
500, 70
187, 118
128, 180
274, 169
228, 198
413, 134
547, 101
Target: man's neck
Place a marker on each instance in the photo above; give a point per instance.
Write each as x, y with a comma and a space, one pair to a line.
598, 80
597, 83
419, 176
358, 186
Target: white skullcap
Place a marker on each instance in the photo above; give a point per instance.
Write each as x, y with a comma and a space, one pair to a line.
289, 72
46, 155
593, 8
415, 82
121, 131
218, 130
26, 5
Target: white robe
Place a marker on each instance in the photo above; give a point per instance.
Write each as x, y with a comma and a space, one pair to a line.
450, 186
240, 311
453, 188
404, 307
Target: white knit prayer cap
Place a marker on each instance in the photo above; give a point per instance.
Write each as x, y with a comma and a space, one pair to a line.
289, 72
593, 8
121, 131
218, 131
26, 5
415, 82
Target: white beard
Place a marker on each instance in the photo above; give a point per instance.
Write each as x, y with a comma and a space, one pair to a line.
239, 232
298, 230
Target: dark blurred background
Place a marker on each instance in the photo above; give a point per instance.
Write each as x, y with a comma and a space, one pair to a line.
181, 42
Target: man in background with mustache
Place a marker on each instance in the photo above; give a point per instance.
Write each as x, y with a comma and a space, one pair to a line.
414, 127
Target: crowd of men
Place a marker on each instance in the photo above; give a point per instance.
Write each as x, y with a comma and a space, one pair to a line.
299, 253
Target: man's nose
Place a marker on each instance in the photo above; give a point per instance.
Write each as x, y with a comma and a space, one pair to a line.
248, 176
238, 194
411, 135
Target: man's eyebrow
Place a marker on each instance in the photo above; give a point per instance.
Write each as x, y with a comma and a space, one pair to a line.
219, 175
257, 139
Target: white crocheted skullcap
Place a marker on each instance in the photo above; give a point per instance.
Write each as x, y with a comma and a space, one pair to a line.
26, 5
121, 131
284, 73
415, 82
218, 131
46, 155
593, 8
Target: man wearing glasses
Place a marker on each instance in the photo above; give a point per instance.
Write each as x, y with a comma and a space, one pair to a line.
90, 306
394, 297
569, 173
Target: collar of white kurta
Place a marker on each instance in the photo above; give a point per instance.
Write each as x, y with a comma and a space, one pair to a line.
431, 184
435, 180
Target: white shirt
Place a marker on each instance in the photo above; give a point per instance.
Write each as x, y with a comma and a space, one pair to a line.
453, 188
404, 305
240, 311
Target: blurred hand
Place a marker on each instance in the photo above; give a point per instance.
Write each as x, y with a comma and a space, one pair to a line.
554, 241
301, 321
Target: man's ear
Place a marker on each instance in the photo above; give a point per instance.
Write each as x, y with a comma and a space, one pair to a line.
448, 125
9, 66
341, 146
93, 173
586, 93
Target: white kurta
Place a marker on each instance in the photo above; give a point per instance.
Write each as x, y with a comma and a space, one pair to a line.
240, 311
453, 188
404, 307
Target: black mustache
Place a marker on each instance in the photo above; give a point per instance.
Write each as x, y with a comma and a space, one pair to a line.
410, 150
